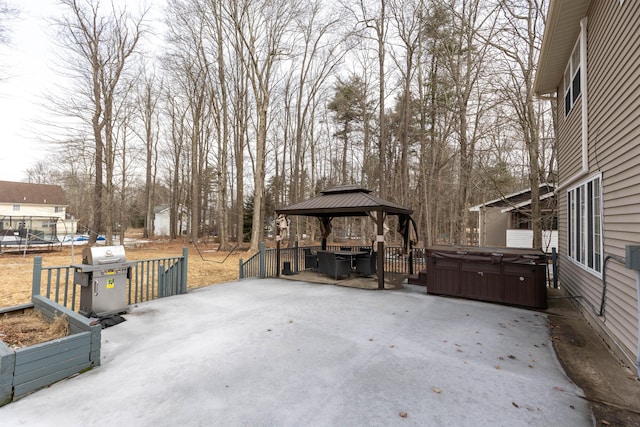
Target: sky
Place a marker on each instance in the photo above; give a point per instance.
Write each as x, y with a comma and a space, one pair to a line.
27, 74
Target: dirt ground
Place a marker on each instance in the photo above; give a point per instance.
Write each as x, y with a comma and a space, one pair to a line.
612, 388
206, 265
31, 327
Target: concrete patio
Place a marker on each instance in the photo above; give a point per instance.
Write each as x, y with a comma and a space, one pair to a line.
276, 352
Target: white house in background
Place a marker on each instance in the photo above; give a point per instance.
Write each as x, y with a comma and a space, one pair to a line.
506, 221
29, 211
162, 221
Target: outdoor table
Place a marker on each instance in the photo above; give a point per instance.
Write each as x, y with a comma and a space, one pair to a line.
352, 255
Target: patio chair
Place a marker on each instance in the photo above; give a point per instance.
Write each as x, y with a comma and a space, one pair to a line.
310, 260
338, 266
366, 264
323, 262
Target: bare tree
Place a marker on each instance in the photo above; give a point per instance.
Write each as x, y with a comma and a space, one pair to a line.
175, 154
466, 63
263, 27
148, 98
101, 46
7, 13
221, 107
519, 43
320, 56
247, 90
41, 173
191, 67
435, 116
372, 16
406, 17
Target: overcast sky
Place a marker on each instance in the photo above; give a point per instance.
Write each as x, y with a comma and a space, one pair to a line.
27, 64
27, 75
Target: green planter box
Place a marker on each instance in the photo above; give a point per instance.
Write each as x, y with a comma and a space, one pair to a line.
28, 369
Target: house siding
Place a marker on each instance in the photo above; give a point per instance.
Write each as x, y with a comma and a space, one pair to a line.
31, 210
570, 127
613, 89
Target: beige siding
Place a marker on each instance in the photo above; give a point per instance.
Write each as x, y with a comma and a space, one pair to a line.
31, 210
570, 138
613, 83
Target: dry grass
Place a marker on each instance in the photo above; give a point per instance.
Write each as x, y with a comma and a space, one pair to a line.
206, 265
29, 328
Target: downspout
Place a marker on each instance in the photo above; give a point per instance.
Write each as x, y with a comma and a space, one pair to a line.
603, 298
585, 125
638, 302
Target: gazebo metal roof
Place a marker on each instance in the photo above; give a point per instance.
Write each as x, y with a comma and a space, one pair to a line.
345, 200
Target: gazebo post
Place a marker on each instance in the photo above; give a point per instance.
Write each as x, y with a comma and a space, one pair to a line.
380, 241
278, 238
325, 223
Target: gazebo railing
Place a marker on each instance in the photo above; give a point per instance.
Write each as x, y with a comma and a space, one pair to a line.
264, 263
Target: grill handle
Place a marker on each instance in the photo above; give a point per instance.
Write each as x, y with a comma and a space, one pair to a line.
95, 288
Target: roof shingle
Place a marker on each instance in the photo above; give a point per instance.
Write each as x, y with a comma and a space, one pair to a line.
344, 201
38, 194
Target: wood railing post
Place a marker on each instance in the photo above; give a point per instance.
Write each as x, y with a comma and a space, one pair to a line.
161, 281
262, 260
36, 276
185, 262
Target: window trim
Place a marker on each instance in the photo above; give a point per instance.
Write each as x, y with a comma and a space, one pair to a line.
585, 225
574, 73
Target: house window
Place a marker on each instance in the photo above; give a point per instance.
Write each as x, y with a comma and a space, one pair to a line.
16, 208
58, 209
584, 224
572, 89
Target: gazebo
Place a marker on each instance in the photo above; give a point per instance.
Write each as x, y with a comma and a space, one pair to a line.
351, 200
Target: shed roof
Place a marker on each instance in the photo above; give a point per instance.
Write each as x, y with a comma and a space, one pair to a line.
518, 199
346, 200
28, 193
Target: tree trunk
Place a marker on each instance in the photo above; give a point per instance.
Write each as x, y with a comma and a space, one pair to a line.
257, 229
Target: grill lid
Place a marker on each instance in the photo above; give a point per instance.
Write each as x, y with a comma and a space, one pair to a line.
100, 255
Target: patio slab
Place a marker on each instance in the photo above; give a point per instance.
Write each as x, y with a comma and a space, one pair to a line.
275, 352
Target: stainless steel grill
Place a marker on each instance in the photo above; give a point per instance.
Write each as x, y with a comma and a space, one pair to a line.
102, 277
